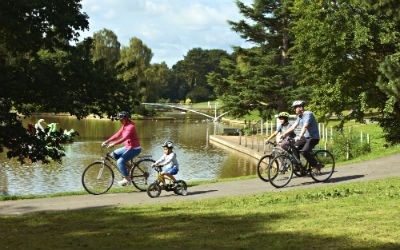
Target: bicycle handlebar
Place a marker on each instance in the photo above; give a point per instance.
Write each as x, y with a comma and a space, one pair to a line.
157, 168
272, 143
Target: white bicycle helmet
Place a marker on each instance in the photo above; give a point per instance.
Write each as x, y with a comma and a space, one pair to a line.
298, 103
168, 144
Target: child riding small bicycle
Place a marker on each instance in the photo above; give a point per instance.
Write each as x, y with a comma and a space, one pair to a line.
168, 161
282, 128
165, 178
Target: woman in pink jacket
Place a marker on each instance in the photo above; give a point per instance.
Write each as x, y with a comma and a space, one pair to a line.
132, 146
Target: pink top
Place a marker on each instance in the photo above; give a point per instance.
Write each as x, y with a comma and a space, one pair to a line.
129, 136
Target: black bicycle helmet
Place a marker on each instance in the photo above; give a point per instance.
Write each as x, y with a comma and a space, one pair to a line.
168, 144
122, 115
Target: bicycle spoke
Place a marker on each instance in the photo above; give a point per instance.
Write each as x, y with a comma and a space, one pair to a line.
262, 167
142, 174
325, 168
280, 171
97, 178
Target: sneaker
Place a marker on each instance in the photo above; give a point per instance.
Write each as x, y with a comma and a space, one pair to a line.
317, 168
124, 182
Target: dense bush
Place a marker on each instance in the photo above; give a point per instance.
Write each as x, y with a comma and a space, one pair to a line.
343, 142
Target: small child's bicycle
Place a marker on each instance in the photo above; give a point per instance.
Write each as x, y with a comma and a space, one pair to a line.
154, 190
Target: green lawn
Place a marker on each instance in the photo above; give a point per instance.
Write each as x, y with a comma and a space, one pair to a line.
361, 215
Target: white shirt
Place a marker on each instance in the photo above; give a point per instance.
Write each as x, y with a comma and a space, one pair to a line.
168, 161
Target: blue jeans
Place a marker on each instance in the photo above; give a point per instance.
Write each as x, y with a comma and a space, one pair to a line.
123, 155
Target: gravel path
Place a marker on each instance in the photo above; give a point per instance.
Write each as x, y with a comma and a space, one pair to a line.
363, 171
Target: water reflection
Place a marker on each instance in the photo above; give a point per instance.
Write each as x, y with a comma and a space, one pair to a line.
199, 159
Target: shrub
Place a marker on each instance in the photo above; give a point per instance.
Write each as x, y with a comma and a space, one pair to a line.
346, 141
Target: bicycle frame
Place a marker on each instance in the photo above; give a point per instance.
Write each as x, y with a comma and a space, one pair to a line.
292, 149
276, 150
108, 159
163, 179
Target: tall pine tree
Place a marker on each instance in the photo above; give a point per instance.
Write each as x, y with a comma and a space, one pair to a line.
260, 77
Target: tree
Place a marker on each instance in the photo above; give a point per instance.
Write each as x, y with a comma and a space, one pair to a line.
348, 53
260, 77
158, 77
191, 73
41, 70
389, 79
106, 47
132, 66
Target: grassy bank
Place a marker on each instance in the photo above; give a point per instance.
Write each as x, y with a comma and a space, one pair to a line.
332, 217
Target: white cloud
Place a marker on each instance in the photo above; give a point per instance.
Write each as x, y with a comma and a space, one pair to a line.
169, 27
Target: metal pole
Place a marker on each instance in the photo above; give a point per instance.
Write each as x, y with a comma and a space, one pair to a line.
319, 129
361, 137
207, 137
216, 109
272, 131
326, 134
258, 144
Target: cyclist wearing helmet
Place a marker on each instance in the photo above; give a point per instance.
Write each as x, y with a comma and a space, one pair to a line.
168, 160
309, 135
284, 126
132, 145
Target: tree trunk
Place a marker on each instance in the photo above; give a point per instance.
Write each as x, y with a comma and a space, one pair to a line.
282, 105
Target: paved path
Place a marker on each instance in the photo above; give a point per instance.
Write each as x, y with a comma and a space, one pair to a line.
369, 170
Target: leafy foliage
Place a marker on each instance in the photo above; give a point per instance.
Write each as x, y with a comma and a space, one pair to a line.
344, 142
42, 71
191, 73
346, 52
106, 47
260, 78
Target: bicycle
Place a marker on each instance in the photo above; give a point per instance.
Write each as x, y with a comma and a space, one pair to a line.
98, 177
264, 161
154, 190
282, 167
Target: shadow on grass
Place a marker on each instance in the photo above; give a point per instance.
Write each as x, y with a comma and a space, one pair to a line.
169, 227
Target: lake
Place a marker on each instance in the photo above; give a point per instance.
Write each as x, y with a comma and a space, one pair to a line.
198, 159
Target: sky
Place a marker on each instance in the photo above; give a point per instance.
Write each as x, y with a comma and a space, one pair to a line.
170, 28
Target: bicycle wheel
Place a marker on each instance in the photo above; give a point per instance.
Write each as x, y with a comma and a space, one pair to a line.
97, 178
325, 171
154, 190
142, 174
262, 167
280, 171
180, 188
